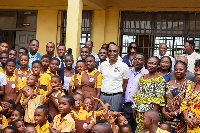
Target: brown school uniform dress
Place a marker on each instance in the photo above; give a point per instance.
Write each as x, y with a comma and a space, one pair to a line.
53, 111
88, 83
75, 81
80, 124
10, 90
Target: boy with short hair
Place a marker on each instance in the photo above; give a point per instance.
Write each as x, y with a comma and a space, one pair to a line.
9, 129
41, 119
30, 129
12, 54
63, 122
166, 126
150, 121
32, 100
3, 59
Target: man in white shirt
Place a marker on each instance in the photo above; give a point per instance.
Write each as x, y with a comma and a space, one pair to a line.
163, 52
115, 77
191, 55
61, 50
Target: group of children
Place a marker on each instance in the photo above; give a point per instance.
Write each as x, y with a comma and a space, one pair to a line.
36, 100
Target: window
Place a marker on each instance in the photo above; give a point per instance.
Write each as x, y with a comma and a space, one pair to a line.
86, 27
149, 29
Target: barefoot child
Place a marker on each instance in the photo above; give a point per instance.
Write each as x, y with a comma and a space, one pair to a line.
19, 125
80, 66
31, 101
41, 116
63, 122
53, 99
150, 121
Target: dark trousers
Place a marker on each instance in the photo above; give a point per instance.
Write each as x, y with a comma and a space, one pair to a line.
129, 116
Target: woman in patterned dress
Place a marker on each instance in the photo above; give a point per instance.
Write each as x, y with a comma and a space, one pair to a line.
191, 104
175, 93
151, 91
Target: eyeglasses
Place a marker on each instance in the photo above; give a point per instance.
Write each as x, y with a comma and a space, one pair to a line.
133, 47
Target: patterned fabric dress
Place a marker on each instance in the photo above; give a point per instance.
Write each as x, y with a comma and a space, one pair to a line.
150, 92
174, 98
191, 103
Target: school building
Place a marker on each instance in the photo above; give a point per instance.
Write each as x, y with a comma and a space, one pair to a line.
73, 22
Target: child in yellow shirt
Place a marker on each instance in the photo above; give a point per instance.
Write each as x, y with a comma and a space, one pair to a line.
19, 125
63, 122
31, 101
41, 116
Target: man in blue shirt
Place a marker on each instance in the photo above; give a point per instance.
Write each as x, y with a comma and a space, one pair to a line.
33, 55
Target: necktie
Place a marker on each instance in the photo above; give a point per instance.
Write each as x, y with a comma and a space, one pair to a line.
62, 64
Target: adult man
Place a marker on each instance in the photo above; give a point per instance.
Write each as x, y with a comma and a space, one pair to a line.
50, 48
3, 47
61, 50
191, 55
163, 52
102, 56
189, 75
33, 55
115, 77
132, 87
89, 44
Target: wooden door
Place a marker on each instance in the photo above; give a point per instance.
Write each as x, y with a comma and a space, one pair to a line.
23, 38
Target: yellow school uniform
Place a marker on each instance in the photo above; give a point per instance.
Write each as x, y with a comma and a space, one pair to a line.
160, 131
78, 78
31, 106
41, 93
45, 78
98, 82
43, 129
1, 70
21, 82
67, 124
5, 122
82, 114
96, 114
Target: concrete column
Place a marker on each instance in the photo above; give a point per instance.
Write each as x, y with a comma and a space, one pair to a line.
46, 28
73, 31
98, 27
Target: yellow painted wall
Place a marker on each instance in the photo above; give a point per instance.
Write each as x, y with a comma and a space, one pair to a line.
98, 29
111, 26
46, 28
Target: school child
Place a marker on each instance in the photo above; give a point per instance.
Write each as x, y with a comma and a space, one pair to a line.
17, 114
23, 72
126, 128
19, 125
166, 126
3, 59
41, 116
3, 83
91, 80
31, 101
12, 54
67, 72
53, 99
150, 121
121, 120
88, 106
9, 129
80, 91
45, 64
102, 128
144, 131
30, 129
80, 66
7, 109
45, 78
63, 122
11, 86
